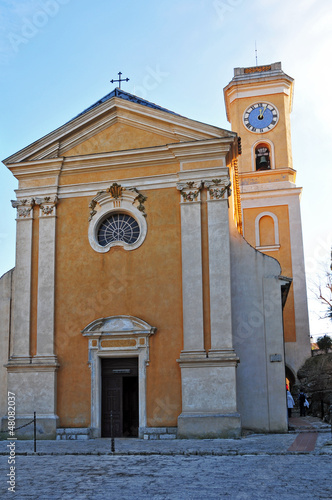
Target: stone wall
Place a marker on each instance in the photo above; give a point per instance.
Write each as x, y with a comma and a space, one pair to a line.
5, 313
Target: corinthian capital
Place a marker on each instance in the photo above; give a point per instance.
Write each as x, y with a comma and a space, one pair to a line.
47, 205
24, 207
190, 190
218, 189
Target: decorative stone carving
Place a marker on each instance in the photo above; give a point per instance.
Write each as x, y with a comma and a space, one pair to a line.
118, 324
217, 188
93, 212
140, 198
47, 205
190, 190
24, 207
117, 192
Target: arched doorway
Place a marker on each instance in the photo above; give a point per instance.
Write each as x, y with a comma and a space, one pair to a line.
290, 378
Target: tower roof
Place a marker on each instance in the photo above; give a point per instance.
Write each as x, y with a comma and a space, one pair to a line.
267, 72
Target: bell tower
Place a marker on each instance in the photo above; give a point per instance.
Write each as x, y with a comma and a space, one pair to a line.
258, 105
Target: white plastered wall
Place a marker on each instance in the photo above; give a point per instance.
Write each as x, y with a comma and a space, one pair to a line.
258, 335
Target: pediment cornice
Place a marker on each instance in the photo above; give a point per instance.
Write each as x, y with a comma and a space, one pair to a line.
106, 114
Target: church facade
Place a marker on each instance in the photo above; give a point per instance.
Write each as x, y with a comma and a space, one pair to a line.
141, 303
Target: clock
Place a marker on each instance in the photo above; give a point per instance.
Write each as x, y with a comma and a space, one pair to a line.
260, 117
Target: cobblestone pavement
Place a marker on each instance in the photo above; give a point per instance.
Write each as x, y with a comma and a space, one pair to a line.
267, 444
250, 477
257, 466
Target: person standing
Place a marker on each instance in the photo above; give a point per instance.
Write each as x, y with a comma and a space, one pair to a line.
290, 403
302, 400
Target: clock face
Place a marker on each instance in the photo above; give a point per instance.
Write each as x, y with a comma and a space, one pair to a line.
260, 117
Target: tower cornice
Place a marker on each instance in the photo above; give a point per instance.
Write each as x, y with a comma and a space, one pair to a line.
258, 81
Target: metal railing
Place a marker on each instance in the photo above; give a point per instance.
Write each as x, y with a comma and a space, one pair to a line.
34, 422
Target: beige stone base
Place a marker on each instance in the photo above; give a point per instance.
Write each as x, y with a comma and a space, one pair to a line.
46, 426
211, 426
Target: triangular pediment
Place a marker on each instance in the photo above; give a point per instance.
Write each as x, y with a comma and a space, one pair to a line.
119, 121
119, 137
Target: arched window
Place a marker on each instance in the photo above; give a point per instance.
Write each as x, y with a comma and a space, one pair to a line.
117, 218
118, 227
267, 232
262, 157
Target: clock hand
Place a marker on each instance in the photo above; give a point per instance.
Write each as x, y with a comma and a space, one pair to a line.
262, 111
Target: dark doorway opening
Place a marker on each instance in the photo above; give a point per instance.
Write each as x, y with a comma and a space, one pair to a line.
119, 397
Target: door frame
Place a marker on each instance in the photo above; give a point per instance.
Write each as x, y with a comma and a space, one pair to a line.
120, 337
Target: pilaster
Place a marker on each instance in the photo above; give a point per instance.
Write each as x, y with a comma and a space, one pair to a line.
192, 292
208, 380
46, 280
20, 350
33, 380
219, 268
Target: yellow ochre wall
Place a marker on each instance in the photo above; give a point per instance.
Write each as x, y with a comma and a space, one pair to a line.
145, 282
119, 137
280, 135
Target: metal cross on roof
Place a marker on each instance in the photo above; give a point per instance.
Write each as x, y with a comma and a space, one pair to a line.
120, 80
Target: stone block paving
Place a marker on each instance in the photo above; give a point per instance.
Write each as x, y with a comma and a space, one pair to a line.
251, 477
253, 444
305, 441
257, 466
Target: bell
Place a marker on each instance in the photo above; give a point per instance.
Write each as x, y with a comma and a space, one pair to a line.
262, 163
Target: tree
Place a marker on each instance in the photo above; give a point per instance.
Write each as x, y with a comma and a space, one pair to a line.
323, 292
324, 343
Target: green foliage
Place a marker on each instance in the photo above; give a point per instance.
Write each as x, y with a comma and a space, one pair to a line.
324, 343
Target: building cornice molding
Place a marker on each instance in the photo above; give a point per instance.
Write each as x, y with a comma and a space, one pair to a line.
233, 361
282, 193
264, 172
15, 367
141, 183
40, 168
266, 188
216, 148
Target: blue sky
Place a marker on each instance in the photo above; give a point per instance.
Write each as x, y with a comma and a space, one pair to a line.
57, 57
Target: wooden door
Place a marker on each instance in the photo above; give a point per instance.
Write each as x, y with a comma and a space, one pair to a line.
120, 397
